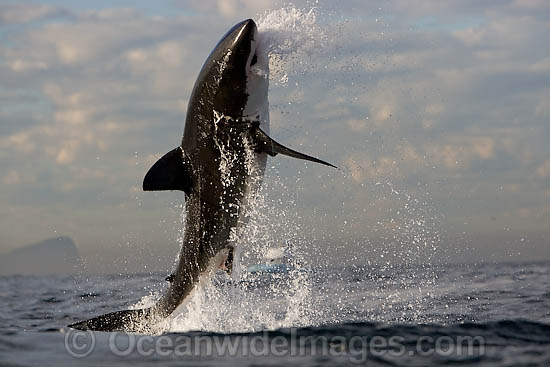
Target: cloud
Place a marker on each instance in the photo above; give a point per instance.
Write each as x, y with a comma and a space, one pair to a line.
232, 9
22, 12
357, 124
449, 94
544, 169
460, 154
19, 65
20, 142
11, 178
362, 168
89, 73
543, 107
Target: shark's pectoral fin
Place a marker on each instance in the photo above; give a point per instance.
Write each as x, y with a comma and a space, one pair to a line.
267, 145
171, 172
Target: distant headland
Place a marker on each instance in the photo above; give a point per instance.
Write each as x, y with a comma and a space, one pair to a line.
52, 256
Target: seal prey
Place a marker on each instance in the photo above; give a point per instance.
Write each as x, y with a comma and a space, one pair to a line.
220, 161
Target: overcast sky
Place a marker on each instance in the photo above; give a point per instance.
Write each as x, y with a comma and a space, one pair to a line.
437, 113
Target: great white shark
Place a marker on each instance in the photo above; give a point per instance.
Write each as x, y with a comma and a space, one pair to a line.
219, 164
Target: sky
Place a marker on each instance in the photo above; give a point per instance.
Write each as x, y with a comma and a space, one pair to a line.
436, 112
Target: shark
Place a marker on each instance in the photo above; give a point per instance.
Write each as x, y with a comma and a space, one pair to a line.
219, 164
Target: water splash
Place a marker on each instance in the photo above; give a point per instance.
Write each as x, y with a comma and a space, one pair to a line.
256, 301
253, 301
289, 36
411, 236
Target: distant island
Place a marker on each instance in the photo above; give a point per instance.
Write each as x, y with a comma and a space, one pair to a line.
53, 256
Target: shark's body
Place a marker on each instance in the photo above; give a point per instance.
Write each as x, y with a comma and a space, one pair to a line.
220, 161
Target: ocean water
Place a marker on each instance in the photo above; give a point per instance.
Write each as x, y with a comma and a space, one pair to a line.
483, 315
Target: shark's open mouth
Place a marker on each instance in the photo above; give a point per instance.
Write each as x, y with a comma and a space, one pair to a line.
258, 62
253, 58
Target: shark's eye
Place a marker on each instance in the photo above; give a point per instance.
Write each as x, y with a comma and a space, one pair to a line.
254, 60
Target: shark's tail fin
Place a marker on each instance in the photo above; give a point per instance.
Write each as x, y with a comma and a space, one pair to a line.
140, 320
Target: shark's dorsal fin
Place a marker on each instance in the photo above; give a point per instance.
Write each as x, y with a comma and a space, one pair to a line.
171, 172
267, 145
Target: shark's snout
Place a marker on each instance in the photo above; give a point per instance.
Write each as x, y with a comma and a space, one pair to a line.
244, 31
241, 33
236, 51
245, 36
